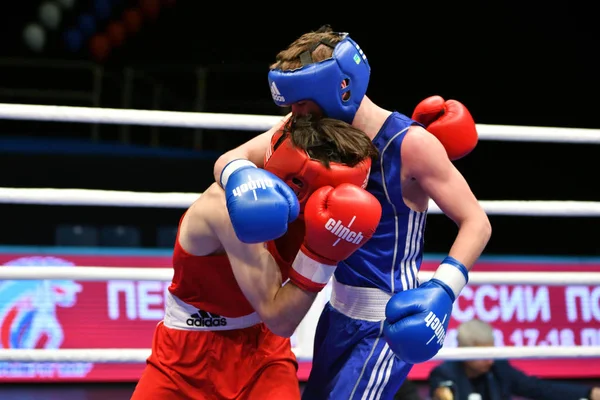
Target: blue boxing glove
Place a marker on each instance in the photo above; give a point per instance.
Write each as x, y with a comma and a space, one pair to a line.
260, 204
417, 319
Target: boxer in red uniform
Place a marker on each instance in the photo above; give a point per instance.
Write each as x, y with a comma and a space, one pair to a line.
232, 306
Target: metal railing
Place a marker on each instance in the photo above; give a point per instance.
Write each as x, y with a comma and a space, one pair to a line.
83, 83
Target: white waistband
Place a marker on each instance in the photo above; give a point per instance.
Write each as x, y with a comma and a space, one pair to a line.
180, 315
359, 302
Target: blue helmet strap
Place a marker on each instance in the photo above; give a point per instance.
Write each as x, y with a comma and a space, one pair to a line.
306, 56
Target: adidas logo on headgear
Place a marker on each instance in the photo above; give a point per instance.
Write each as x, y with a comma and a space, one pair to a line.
206, 319
276, 94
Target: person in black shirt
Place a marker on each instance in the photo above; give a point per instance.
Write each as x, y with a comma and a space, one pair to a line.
408, 391
495, 380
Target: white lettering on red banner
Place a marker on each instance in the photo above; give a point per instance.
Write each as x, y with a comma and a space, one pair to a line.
144, 300
526, 315
492, 303
44, 370
588, 304
123, 314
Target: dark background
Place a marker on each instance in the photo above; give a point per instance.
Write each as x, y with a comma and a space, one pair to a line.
512, 63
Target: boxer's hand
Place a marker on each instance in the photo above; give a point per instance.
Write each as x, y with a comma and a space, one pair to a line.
260, 204
417, 319
338, 222
450, 122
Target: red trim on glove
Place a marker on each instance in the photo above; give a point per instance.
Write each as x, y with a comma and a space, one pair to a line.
304, 283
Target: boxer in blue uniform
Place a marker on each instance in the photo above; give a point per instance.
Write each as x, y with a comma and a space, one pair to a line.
379, 320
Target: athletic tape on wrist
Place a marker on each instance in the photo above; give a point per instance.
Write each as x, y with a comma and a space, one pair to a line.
312, 270
233, 166
453, 273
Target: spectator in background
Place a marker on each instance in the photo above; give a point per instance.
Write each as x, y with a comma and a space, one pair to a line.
495, 380
408, 391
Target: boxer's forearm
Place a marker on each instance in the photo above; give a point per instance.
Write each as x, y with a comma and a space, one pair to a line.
253, 150
472, 238
281, 308
289, 308
241, 152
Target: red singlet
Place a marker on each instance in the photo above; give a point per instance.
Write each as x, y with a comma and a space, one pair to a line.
211, 344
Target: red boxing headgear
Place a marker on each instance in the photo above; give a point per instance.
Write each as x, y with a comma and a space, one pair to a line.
304, 174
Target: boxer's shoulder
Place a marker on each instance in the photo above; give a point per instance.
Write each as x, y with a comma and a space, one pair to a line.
213, 193
419, 145
417, 134
210, 204
197, 232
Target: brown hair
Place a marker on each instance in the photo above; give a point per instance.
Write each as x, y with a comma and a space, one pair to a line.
319, 44
330, 140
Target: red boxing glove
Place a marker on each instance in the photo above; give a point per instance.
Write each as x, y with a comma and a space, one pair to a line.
450, 122
338, 222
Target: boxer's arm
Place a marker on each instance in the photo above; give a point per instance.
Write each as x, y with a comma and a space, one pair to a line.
206, 228
195, 234
425, 159
253, 150
281, 308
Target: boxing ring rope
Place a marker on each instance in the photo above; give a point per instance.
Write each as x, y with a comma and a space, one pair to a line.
95, 274
112, 198
140, 355
83, 197
245, 122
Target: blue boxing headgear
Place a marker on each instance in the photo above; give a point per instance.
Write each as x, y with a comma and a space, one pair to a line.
321, 81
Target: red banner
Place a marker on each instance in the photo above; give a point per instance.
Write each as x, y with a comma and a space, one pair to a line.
122, 314
532, 315
69, 315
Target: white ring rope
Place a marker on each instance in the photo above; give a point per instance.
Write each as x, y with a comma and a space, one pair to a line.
93, 273
85, 197
247, 122
113, 198
176, 119
140, 355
